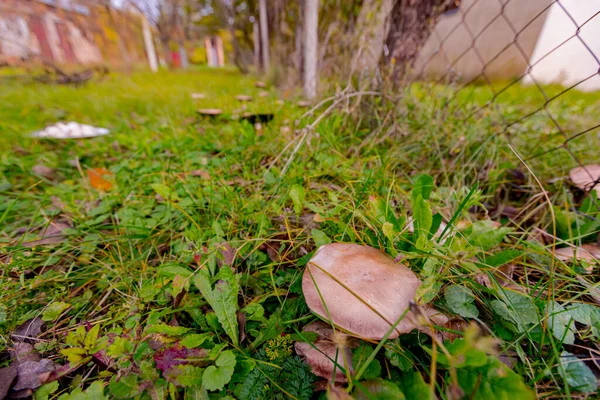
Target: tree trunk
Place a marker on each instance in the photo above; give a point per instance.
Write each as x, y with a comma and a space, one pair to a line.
256, 43
311, 27
237, 54
411, 22
264, 33
372, 29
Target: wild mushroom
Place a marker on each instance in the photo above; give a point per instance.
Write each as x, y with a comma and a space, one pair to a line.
329, 352
364, 292
243, 97
210, 112
586, 178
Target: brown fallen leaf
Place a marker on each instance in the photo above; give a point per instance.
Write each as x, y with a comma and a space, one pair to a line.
586, 177
33, 374
53, 234
586, 252
98, 180
7, 377
43, 171
201, 173
28, 330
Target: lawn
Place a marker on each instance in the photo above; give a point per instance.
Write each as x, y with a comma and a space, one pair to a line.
177, 273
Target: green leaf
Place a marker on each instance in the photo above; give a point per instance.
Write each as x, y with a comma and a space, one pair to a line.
388, 230
94, 392
578, 375
91, 337
493, 381
54, 310
516, 308
359, 356
414, 387
44, 391
422, 215
377, 389
422, 186
195, 340
561, 323
168, 330
126, 387
187, 375
485, 235
501, 258
320, 237
398, 356
222, 299
164, 191
460, 300
464, 354
216, 377
297, 196
586, 314
174, 270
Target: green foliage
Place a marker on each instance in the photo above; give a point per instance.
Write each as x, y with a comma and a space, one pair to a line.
359, 357
222, 298
218, 375
576, 374
94, 392
460, 300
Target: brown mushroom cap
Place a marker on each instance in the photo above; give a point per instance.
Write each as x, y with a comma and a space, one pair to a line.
364, 290
210, 111
328, 347
585, 177
243, 97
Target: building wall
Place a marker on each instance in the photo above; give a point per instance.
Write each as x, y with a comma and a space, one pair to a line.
573, 61
480, 37
66, 33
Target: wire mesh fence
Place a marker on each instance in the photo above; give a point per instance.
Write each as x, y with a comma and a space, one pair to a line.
532, 69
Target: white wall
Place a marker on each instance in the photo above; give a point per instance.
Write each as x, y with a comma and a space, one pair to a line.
572, 62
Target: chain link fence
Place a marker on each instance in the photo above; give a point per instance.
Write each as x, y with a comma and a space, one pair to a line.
530, 70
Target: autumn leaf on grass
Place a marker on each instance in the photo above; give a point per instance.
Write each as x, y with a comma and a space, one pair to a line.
98, 180
222, 299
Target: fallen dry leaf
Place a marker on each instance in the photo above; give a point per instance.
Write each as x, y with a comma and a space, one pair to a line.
53, 234
98, 180
586, 252
43, 171
201, 173
28, 330
586, 178
33, 374
7, 376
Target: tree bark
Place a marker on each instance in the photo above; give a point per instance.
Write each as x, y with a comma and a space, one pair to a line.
311, 25
264, 33
411, 22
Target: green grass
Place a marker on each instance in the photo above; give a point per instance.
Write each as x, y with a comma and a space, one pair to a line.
139, 262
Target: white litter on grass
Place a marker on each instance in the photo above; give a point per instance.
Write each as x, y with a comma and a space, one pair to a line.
70, 130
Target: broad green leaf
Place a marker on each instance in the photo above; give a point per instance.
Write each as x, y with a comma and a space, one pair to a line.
422, 216
377, 389
187, 375
501, 258
54, 310
222, 299
91, 337
174, 270
516, 308
460, 300
485, 235
126, 387
44, 391
578, 375
216, 376
561, 323
464, 354
359, 356
74, 354
297, 196
319, 237
398, 356
422, 186
94, 392
414, 387
388, 230
168, 330
164, 191
493, 381
586, 314
195, 340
